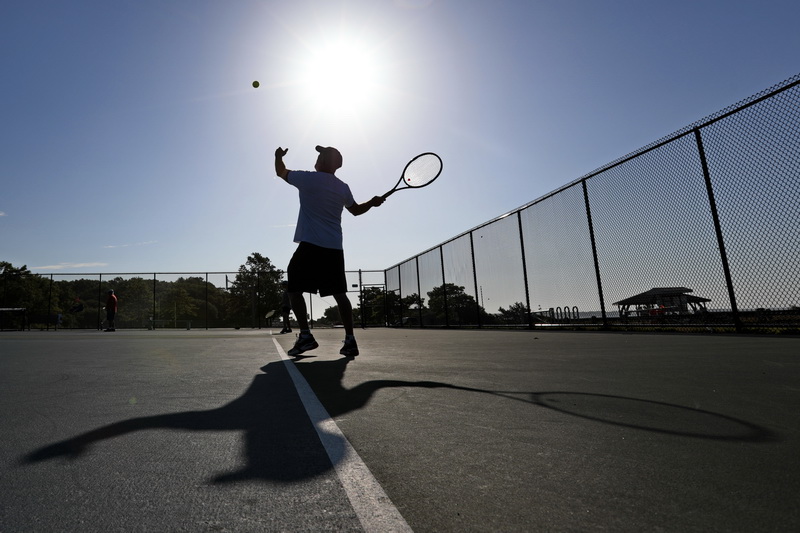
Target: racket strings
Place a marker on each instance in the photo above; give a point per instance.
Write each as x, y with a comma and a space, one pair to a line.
422, 170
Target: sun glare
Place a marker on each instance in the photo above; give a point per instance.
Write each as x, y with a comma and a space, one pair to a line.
340, 76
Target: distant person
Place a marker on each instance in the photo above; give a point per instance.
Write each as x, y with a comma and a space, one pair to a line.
286, 307
111, 310
318, 262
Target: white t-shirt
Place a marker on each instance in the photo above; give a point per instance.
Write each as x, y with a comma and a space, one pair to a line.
323, 196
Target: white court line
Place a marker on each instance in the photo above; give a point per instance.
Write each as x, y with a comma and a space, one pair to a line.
374, 509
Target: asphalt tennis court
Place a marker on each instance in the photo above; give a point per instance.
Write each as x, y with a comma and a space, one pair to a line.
430, 430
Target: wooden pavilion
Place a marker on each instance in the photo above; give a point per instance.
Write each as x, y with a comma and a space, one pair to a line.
663, 301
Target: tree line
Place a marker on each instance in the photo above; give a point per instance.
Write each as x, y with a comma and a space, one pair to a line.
143, 303
447, 304
243, 302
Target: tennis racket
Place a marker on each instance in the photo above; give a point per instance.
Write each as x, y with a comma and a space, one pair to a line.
419, 172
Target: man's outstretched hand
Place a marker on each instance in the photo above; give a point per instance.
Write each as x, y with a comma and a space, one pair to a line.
280, 168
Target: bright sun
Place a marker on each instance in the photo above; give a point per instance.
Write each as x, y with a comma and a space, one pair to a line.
340, 76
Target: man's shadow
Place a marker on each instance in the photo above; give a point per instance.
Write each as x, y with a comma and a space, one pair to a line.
280, 444
325, 378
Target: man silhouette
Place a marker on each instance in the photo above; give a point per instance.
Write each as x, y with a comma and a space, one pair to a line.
318, 261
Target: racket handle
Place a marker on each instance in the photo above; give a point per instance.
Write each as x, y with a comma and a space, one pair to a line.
388, 194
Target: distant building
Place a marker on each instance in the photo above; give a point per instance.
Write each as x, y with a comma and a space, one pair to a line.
661, 301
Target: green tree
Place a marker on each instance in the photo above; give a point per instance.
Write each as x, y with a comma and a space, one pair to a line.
80, 303
372, 301
20, 288
256, 290
517, 313
199, 292
330, 317
134, 299
450, 300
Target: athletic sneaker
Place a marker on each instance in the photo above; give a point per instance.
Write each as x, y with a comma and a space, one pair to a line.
286, 330
350, 348
305, 342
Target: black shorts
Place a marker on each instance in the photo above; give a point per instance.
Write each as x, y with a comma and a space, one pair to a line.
314, 268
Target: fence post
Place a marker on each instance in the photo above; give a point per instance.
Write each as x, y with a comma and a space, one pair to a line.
718, 230
50, 304
154, 302
99, 300
419, 291
310, 310
524, 271
385, 299
361, 300
594, 255
475, 278
444, 289
256, 311
400, 293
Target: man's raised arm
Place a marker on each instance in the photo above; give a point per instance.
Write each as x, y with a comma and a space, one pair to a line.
280, 168
359, 209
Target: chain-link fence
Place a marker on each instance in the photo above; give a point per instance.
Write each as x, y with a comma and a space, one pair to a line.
178, 300
696, 231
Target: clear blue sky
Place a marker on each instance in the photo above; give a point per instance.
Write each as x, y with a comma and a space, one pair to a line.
132, 140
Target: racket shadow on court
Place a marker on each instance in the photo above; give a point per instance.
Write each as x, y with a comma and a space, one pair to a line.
325, 378
279, 444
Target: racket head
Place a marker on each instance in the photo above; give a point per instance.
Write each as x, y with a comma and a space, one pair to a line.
422, 170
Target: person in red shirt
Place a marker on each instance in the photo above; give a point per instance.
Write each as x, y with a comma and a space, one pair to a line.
111, 309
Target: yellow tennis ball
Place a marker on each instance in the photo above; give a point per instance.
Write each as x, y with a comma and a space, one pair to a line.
256, 84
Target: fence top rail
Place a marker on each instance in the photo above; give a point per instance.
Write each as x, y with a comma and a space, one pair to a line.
686, 130
104, 274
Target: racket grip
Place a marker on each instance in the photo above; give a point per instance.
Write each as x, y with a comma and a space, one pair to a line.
388, 194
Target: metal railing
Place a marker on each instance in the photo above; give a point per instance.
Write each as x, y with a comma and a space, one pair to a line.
698, 230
